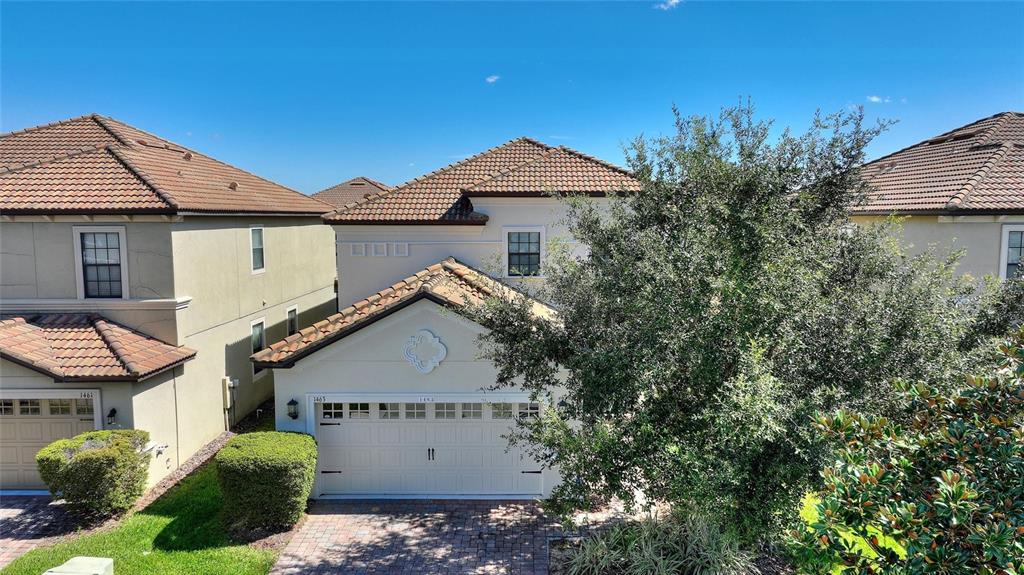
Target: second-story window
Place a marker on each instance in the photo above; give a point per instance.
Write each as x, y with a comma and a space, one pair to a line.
524, 253
100, 260
292, 320
1013, 250
256, 245
258, 339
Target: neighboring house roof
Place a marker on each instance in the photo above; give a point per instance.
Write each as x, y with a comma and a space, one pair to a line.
521, 167
350, 191
977, 168
95, 165
85, 347
448, 283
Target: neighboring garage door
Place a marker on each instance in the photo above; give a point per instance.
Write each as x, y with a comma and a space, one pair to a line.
423, 449
26, 425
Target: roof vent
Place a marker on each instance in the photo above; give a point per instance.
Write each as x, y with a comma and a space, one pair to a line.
233, 186
357, 184
188, 155
143, 142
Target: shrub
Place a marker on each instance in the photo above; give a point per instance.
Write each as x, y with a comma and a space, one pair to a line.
266, 478
940, 494
101, 472
679, 544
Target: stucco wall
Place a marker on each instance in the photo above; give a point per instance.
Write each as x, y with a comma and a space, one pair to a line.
37, 259
371, 361
979, 236
212, 266
479, 246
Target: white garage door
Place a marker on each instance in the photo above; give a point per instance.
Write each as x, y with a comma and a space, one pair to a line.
27, 425
448, 449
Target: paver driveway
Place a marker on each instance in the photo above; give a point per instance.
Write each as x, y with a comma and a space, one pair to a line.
27, 522
420, 537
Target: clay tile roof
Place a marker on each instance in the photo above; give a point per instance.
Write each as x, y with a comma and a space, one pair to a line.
93, 164
977, 168
350, 191
449, 283
71, 347
443, 196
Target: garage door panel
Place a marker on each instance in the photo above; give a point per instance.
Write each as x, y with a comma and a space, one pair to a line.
421, 454
8, 455
30, 431
57, 429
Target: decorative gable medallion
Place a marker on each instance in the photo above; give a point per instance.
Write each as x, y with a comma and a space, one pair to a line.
424, 351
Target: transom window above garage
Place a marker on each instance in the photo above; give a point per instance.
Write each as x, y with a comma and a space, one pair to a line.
359, 410
6, 407
502, 411
415, 411
333, 410
60, 406
389, 410
472, 410
529, 410
28, 407
445, 410
84, 407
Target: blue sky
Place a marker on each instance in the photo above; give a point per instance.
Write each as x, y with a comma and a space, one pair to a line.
310, 94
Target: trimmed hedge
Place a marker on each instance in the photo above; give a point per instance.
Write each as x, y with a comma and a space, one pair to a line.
101, 472
266, 478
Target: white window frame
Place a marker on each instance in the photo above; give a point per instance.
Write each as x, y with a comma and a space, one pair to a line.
291, 308
1004, 256
77, 232
379, 249
505, 231
400, 249
93, 394
357, 250
262, 372
263, 235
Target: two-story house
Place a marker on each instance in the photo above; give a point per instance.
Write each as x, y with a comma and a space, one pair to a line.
136, 278
393, 386
963, 189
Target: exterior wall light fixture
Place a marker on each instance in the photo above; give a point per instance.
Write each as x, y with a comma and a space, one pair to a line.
293, 409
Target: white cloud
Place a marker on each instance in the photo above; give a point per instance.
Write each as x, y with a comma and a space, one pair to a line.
492, 78
879, 99
667, 4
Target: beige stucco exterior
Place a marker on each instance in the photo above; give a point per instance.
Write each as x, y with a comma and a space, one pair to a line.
191, 284
980, 238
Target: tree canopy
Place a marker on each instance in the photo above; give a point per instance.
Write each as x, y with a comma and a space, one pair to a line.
712, 314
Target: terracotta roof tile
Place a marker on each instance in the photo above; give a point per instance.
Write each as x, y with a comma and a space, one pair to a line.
438, 198
95, 164
350, 191
81, 346
975, 168
449, 282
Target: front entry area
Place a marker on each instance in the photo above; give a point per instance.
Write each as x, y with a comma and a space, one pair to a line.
431, 447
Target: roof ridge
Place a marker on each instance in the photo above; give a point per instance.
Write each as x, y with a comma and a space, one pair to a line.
506, 171
57, 158
102, 122
942, 135
212, 159
47, 125
434, 173
164, 196
104, 329
986, 139
597, 160
960, 197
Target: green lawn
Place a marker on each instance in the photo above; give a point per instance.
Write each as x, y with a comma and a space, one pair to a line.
180, 533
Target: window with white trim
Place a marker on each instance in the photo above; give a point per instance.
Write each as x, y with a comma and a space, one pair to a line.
292, 320
359, 411
59, 406
472, 410
389, 410
415, 411
84, 407
523, 253
28, 407
502, 411
1013, 250
445, 410
257, 339
101, 262
333, 410
6, 407
529, 410
256, 247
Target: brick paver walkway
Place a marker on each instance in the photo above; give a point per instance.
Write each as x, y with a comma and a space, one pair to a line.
420, 537
27, 522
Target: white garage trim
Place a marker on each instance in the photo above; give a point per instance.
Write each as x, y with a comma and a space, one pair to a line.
480, 397
50, 393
